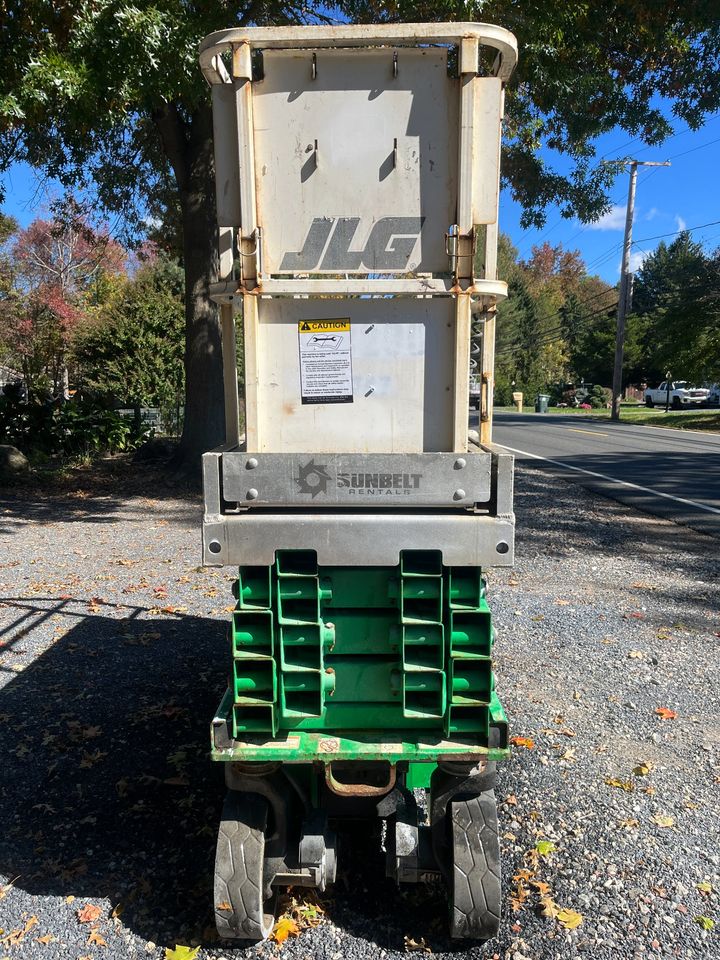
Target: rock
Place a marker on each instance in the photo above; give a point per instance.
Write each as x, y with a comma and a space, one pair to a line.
12, 461
156, 448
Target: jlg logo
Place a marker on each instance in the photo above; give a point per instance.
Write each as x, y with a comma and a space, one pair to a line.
327, 245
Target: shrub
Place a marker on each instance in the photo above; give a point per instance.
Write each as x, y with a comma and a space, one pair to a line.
74, 428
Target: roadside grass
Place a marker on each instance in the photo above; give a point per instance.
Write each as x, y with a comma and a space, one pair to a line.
643, 416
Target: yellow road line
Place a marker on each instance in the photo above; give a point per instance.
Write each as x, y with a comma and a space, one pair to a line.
593, 433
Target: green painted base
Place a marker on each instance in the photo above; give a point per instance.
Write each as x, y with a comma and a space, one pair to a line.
420, 747
329, 651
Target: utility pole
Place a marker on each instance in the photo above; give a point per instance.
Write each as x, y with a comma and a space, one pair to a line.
625, 295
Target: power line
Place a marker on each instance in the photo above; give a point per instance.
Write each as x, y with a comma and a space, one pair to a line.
647, 176
550, 336
674, 233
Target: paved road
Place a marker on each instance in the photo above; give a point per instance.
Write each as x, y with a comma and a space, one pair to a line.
670, 473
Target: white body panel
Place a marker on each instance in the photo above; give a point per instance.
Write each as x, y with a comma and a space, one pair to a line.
398, 406
356, 131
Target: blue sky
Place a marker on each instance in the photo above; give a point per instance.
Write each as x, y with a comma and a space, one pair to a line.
686, 194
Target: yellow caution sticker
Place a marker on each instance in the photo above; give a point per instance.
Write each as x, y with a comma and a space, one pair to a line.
324, 326
325, 361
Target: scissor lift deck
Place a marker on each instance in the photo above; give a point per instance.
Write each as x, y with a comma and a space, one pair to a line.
357, 193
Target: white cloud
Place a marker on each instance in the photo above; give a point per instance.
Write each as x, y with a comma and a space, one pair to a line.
652, 213
681, 224
637, 258
614, 219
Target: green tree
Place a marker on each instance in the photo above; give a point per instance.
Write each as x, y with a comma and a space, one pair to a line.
676, 301
109, 91
131, 350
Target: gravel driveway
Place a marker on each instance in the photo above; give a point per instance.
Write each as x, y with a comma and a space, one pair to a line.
112, 659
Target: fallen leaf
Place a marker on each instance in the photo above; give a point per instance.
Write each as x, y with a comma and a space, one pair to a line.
48, 938
181, 953
223, 906
643, 768
548, 908
16, 936
526, 742
416, 946
90, 759
70, 899
284, 928
511, 800
705, 922
627, 785
705, 886
629, 824
636, 655
570, 919
662, 820
569, 755
89, 913
544, 847
96, 939
5, 890
542, 888
665, 713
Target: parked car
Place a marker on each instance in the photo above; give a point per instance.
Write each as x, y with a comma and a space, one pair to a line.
682, 394
475, 391
713, 399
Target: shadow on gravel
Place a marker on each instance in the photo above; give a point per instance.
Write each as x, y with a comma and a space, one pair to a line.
102, 493
106, 787
368, 906
559, 524
15, 513
107, 790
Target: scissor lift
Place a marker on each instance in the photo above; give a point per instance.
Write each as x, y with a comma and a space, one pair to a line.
357, 195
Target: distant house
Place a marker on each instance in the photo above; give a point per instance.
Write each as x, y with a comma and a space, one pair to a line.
8, 375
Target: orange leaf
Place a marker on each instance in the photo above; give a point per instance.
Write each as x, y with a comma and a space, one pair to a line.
96, 939
16, 936
666, 714
89, 913
542, 888
284, 928
48, 938
527, 742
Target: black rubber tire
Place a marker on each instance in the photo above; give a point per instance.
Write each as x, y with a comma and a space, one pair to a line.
676, 405
476, 894
239, 861
649, 403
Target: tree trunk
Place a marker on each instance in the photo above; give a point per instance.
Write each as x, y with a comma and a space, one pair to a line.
204, 422
188, 145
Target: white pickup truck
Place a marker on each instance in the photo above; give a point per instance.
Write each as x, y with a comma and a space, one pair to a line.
682, 394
